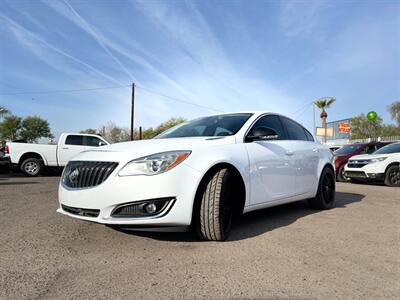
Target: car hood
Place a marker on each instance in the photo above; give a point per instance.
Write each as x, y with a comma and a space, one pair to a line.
367, 156
136, 149
341, 156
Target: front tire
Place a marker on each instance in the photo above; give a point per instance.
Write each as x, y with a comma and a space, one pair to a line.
31, 167
392, 176
325, 198
215, 212
340, 175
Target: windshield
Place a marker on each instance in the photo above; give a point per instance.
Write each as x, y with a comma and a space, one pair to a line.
220, 125
346, 149
392, 148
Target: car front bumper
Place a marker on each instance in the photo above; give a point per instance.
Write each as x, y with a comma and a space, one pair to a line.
369, 172
179, 185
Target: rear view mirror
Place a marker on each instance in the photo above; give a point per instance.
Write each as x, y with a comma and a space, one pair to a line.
101, 143
263, 134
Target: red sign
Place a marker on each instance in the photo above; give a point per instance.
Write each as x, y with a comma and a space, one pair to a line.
344, 127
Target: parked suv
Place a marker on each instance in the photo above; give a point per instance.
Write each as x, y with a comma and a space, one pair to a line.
342, 155
383, 165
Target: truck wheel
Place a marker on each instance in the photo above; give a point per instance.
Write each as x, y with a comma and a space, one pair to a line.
340, 175
392, 176
215, 212
325, 198
32, 167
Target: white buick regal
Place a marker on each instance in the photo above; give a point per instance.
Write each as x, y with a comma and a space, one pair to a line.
201, 174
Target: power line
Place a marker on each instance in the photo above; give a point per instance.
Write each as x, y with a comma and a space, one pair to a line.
64, 91
305, 106
106, 88
177, 99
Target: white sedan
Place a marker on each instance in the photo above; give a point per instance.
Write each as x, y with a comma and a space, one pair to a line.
200, 174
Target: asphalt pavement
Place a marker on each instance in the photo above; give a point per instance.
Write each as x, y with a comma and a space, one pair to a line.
286, 252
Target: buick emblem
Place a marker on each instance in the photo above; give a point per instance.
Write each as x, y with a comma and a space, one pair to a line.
73, 176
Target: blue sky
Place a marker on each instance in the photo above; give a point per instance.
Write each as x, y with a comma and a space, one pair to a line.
226, 55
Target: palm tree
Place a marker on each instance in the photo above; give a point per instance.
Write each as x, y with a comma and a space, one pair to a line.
322, 104
3, 111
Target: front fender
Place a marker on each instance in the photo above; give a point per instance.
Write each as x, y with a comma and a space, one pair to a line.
235, 155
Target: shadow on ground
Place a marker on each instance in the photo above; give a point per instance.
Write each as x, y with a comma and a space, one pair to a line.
258, 222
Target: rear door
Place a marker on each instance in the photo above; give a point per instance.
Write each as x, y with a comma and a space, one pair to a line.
271, 169
72, 146
305, 155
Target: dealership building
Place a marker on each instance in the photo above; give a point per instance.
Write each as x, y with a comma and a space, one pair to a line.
337, 132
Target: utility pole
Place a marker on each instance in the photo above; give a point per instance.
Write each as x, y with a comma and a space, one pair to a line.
132, 109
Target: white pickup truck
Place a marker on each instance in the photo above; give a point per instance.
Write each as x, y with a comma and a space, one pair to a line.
32, 158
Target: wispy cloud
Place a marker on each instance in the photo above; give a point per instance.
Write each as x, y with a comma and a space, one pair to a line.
38, 45
301, 19
97, 36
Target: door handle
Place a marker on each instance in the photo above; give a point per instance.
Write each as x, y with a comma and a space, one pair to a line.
65, 148
289, 153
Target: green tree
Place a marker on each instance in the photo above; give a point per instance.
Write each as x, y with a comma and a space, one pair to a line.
394, 110
149, 133
114, 133
34, 128
10, 127
362, 128
323, 104
3, 111
389, 130
89, 131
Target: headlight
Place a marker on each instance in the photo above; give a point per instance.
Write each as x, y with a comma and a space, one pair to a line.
154, 164
374, 160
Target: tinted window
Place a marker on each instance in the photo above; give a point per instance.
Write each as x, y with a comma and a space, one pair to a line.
368, 149
309, 136
220, 125
392, 148
92, 141
347, 149
294, 130
74, 140
270, 121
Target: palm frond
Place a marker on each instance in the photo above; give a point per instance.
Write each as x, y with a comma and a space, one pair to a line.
329, 102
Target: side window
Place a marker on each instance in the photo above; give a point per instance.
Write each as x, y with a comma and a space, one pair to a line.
366, 149
294, 130
272, 122
309, 136
74, 140
371, 149
92, 141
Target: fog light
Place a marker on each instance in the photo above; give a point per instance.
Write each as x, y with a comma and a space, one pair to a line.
154, 207
150, 208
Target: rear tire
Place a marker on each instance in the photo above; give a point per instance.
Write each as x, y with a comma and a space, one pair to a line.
32, 167
215, 213
392, 176
325, 198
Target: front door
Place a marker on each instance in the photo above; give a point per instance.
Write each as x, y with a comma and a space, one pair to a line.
271, 164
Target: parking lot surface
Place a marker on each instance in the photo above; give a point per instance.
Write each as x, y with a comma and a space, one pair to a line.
291, 251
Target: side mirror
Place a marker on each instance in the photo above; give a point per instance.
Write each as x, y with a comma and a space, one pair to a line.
263, 134
101, 143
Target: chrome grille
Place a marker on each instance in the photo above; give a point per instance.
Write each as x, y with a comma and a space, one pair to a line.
85, 174
357, 163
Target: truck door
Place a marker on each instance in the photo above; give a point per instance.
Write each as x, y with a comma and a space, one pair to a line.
75, 144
